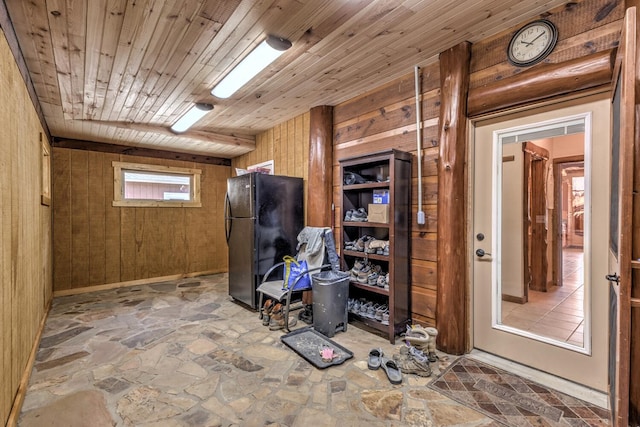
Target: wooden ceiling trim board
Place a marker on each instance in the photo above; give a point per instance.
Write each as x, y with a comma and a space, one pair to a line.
59, 41
134, 17
216, 17
245, 30
163, 40
114, 20
44, 79
142, 39
157, 81
75, 12
96, 15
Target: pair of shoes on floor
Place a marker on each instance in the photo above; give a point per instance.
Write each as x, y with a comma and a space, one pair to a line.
273, 316
270, 307
413, 361
377, 360
356, 215
423, 339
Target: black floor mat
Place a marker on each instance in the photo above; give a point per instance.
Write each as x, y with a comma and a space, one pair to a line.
308, 343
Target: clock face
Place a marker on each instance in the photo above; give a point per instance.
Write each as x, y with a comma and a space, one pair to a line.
532, 43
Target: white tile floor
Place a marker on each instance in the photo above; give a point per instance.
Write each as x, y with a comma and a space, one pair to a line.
558, 313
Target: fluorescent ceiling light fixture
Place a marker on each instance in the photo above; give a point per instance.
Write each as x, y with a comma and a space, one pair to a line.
188, 119
259, 58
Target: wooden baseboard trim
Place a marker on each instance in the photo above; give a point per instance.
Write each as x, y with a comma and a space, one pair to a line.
511, 298
108, 286
12, 421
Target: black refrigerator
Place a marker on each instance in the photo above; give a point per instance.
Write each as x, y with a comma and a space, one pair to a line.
263, 216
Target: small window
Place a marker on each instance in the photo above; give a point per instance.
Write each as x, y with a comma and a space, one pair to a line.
142, 185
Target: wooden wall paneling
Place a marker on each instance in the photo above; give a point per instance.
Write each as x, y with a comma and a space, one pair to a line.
452, 235
431, 218
423, 302
581, 26
429, 189
402, 138
424, 274
278, 151
25, 230
80, 236
128, 252
112, 222
97, 219
424, 245
61, 166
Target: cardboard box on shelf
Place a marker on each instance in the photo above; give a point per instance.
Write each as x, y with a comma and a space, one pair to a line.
378, 213
381, 197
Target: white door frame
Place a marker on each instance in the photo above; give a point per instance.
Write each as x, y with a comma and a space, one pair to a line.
552, 350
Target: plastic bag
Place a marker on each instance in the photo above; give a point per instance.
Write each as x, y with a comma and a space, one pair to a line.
292, 270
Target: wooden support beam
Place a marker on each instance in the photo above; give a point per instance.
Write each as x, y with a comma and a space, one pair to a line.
319, 213
75, 144
543, 81
452, 299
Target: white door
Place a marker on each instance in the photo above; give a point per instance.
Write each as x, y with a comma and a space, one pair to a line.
563, 329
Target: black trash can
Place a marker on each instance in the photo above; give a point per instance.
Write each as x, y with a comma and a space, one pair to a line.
330, 291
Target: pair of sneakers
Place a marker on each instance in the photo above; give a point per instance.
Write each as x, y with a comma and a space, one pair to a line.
424, 339
413, 361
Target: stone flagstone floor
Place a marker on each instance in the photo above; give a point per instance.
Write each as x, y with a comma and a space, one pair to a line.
182, 353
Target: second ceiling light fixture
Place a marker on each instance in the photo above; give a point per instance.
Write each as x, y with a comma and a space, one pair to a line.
256, 61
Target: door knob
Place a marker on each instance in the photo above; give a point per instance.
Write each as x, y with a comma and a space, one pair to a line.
480, 253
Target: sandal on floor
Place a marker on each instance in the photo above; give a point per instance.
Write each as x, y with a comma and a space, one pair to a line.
392, 370
375, 359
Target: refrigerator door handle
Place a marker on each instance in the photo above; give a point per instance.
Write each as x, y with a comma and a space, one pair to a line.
227, 217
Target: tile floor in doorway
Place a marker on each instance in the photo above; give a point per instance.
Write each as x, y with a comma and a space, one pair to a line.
558, 313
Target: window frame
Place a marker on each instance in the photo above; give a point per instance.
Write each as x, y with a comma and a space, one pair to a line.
118, 186
45, 170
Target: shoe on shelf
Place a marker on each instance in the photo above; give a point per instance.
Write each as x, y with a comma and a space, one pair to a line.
348, 215
385, 317
359, 215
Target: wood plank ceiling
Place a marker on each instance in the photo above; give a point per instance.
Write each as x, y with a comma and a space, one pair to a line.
122, 71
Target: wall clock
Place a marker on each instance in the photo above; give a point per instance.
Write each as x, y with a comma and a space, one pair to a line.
532, 43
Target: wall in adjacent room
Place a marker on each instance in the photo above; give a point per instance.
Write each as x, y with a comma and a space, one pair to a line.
25, 230
97, 243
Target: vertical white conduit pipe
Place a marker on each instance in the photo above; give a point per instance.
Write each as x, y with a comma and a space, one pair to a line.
421, 218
